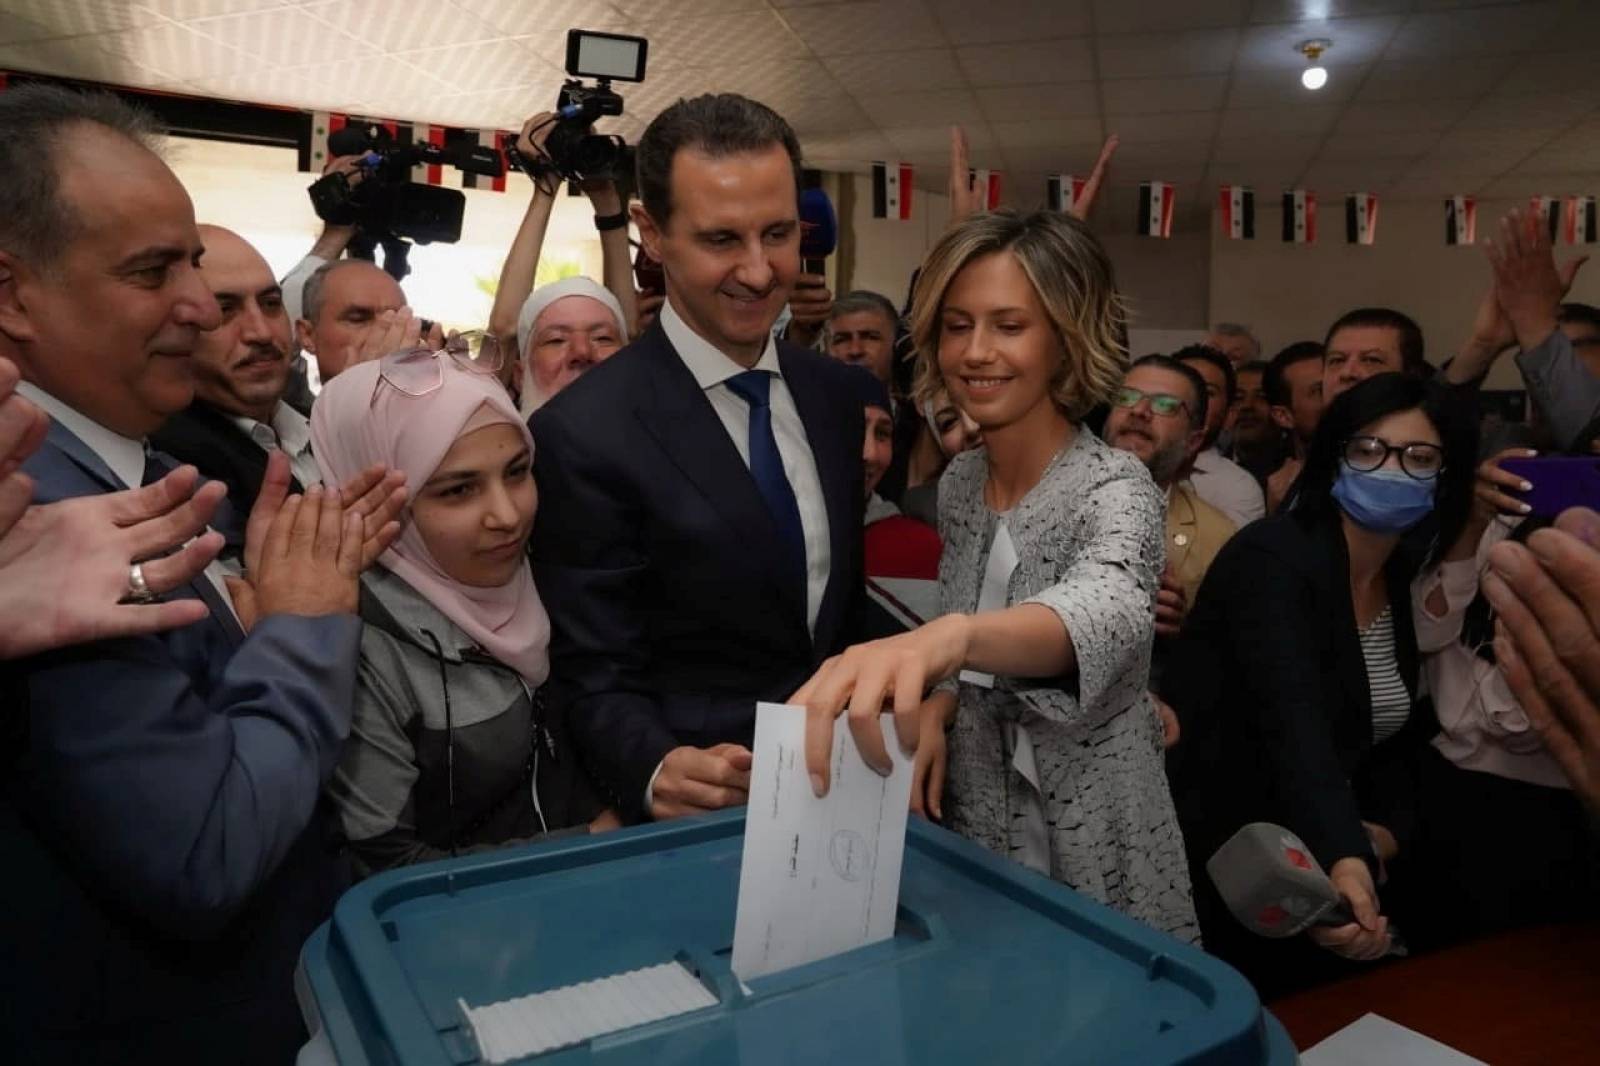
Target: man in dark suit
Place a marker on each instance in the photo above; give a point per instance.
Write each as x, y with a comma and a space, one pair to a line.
241, 369
163, 863
698, 543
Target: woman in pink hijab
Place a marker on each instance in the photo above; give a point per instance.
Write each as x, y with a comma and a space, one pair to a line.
450, 748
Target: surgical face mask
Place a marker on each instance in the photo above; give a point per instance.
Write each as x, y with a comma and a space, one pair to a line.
1383, 501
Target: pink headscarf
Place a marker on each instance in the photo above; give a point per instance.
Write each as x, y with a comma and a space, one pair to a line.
359, 420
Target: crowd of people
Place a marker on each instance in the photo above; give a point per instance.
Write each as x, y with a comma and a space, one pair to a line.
297, 586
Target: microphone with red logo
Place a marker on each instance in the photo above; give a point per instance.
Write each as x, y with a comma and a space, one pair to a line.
1273, 885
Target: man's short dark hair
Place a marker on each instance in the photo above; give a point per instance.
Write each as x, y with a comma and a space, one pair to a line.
1273, 382
36, 224
1207, 354
859, 300
1197, 384
1412, 360
1580, 314
717, 124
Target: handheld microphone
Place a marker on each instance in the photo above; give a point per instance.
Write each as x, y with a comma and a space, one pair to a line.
819, 230
1271, 882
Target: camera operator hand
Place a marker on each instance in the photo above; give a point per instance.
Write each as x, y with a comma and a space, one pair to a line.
336, 238
530, 142
809, 303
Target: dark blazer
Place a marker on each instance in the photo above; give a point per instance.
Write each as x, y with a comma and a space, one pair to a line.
206, 437
164, 861
1271, 692
659, 563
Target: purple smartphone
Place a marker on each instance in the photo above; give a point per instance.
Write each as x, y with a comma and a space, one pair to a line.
1559, 482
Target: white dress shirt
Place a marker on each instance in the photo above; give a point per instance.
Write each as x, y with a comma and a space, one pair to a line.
123, 455
712, 369
1228, 487
290, 431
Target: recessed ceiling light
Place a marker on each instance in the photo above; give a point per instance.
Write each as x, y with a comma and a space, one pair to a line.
1315, 76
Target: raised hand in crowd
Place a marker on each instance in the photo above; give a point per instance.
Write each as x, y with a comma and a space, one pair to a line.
1091, 187
1527, 285
303, 555
810, 303
1546, 595
966, 200
97, 539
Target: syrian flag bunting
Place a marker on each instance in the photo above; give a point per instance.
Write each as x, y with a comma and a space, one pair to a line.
1548, 208
1360, 218
1063, 192
1460, 220
1580, 220
1238, 205
1300, 216
987, 184
489, 139
314, 139
1155, 209
891, 190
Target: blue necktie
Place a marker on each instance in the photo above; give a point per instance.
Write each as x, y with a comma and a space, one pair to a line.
766, 466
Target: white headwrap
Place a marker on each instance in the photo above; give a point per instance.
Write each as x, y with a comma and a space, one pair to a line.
545, 295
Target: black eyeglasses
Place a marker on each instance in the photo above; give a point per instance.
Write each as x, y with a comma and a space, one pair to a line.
1164, 404
1419, 460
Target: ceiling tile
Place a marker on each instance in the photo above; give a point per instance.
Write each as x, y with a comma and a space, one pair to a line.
1253, 149
176, 51
881, 26
1140, 96
370, 82
1071, 100
374, 22
914, 109
484, 65
1475, 31
1333, 181
825, 114
1301, 10
1354, 42
787, 80
1282, 88
494, 109
1561, 158
1511, 112
1267, 177
1350, 148
857, 148
644, 9
996, 21
1312, 118
1159, 55
1423, 116
1169, 127
1024, 64
70, 18
1048, 133
1403, 81
285, 36
935, 140
76, 59
14, 29
1132, 16
548, 20
1567, 73
182, 10
1498, 148
897, 72
718, 40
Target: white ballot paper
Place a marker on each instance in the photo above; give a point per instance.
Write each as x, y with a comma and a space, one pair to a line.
819, 876
1373, 1039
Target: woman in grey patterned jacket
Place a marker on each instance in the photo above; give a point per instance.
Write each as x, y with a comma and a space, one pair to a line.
1039, 740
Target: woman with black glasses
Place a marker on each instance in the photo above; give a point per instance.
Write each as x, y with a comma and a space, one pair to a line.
1296, 678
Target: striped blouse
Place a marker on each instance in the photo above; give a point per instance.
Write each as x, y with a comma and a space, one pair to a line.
1391, 700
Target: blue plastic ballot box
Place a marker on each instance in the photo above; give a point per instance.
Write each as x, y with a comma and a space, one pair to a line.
990, 963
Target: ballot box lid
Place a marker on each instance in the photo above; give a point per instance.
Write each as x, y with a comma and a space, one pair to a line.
990, 962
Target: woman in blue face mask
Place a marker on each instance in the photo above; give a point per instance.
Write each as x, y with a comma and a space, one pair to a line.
1296, 675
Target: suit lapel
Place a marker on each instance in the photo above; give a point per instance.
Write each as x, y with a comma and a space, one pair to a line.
677, 413
83, 456
840, 472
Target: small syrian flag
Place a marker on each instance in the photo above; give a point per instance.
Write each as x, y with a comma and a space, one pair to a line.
1548, 208
1238, 205
1063, 192
1460, 220
1155, 209
987, 184
1360, 218
428, 173
1300, 216
489, 139
891, 190
314, 139
1580, 220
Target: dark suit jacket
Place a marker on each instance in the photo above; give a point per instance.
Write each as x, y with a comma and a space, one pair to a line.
1271, 692
659, 563
206, 437
163, 864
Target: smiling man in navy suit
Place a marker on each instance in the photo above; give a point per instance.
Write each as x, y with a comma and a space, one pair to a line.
157, 813
698, 543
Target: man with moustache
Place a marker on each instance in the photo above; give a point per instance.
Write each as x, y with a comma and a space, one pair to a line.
241, 369
698, 541
1258, 443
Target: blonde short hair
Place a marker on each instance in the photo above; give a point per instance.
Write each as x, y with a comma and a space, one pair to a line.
1072, 276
